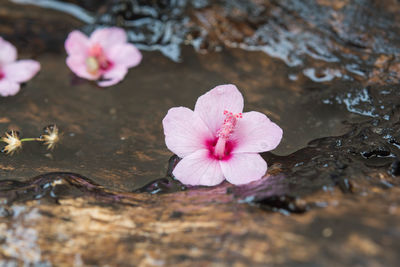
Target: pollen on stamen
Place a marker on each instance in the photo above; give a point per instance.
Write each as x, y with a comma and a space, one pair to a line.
92, 65
228, 125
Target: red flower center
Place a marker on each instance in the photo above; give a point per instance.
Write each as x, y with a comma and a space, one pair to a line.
229, 146
97, 62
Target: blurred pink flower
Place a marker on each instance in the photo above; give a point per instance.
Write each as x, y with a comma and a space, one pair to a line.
13, 72
216, 141
104, 56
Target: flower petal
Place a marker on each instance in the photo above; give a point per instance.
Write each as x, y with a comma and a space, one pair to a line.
8, 87
256, 133
210, 106
125, 54
8, 53
108, 37
184, 131
21, 70
113, 76
243, 168
77, 44
77, 64
199, 169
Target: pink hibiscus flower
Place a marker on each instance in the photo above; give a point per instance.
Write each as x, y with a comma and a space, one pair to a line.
13, 72
217, 141
105, 56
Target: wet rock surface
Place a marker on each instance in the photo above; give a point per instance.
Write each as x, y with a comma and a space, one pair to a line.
79, 223
325, 71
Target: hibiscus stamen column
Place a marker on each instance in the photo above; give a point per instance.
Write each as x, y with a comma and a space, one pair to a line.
225, 132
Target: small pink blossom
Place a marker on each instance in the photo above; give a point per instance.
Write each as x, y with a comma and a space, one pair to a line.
217, 141
104, 56
13, 72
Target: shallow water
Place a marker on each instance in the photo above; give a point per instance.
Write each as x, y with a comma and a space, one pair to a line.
115, 135
335, 172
